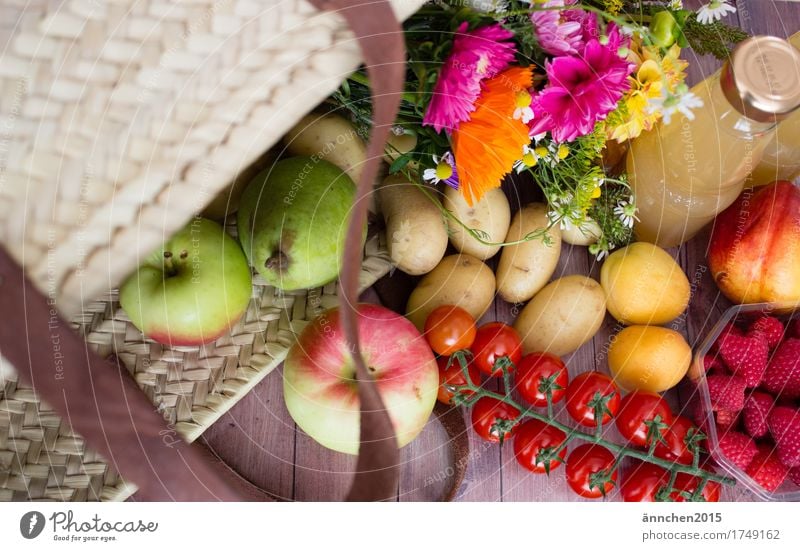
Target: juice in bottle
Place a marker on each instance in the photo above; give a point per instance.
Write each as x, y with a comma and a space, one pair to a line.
686, 172
781, 158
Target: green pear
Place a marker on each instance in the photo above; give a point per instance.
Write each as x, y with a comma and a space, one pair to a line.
293, 219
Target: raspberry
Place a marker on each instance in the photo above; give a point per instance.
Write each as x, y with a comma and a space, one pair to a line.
794, 475
756, 412
726, 419
784, 426
726, 392
782, 376
771, 328
738, 448
745, 356
767, 470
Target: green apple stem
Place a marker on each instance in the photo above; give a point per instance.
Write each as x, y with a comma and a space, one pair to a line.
277, 262
169, 266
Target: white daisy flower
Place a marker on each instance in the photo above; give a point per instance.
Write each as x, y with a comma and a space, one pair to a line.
445, 171
626, 212
528, 160
714, 11
668, 104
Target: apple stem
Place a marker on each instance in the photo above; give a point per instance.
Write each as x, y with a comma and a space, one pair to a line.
169, 266
278, 262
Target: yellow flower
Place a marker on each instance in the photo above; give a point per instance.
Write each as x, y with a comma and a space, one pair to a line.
653, 74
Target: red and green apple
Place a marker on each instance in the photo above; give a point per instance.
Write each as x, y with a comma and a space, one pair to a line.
319, 379
192, 290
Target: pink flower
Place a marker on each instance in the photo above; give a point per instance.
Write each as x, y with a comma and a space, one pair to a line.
581, 90
476, 56
560, 32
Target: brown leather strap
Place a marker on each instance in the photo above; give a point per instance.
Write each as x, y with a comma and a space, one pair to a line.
452, 419
98, 398
380, 38
102, 402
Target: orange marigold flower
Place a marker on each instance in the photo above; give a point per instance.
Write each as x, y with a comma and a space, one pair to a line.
487, 145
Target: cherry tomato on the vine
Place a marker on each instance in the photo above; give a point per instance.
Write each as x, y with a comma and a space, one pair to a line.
582, 391
449, 328
533, 369
534, 436
636, 409
454, 376
687, 483
493, 341
674, 447
642, 481
487, 412
586, 466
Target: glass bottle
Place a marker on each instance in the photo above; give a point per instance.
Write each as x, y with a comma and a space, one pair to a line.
686, 172
781, 158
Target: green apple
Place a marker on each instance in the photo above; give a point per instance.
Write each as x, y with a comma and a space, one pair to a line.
191, 290
292, 222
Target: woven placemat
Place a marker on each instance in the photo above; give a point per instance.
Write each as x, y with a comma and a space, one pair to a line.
40, 458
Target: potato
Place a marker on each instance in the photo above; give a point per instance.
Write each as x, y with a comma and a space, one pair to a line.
490, 215
643, 357
400, 144
644, 285
562, 316
585, 234
328, 137
527, 267
459, 279
415, 228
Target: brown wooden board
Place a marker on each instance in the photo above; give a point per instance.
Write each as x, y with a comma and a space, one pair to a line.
258, 438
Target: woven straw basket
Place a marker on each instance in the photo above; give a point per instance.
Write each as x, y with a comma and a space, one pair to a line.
119, 121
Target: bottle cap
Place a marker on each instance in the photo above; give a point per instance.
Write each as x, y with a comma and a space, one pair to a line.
761, 79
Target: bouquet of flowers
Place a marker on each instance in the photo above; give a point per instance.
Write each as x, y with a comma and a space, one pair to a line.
547, 88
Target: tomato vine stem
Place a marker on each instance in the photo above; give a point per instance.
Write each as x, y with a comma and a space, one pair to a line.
620, 451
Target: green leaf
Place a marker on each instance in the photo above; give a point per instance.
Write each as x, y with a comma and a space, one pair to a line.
399, 163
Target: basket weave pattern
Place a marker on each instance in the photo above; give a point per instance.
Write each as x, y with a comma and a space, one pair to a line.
119, 121
191, 386
42, 459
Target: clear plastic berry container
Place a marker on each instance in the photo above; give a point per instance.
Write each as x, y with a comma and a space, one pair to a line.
788, 491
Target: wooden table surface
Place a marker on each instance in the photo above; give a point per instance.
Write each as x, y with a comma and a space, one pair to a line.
258, 438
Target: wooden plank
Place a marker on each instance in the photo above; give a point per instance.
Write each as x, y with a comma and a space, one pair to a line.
520, 484
321, 474
778, 17
256, 438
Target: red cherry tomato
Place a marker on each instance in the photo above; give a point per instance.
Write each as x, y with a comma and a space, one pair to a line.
454, 376
688, 483
531, 371
642, 481
674, 446
635, 409
582, 390
448, 329
493, 341
583, 466
486, 412
532, 437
